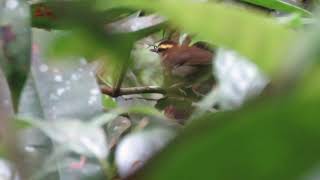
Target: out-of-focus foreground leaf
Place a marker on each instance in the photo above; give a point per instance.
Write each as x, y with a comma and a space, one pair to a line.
91, 36
6, 108
93, 29
15, 40
53, 92
280, 6
8, 144
271, 139
257, 37
95, 43
57, 14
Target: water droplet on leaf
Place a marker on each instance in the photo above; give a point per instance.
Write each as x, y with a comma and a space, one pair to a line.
94, 91
92, 100
60, 91
53, 97
83, 61
58, 78
12, 4
43, 68
74, 77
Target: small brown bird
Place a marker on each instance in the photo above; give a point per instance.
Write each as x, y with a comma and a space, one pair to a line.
187, 76
185, 66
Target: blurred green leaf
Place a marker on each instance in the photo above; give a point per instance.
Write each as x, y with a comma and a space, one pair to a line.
52, 93
292, 21
7, 143
280, 6
258, 37
89, 35
70, 135
15, 40
65, 14
6, 107
95, 42
3, 151
108, 102
145, 110
137, 110
21, 124
271, 139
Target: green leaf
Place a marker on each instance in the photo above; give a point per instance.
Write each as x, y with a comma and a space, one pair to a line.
15, 40
292, 21
108, 102
65, 90
280, 6
3, 151
95, 42
65, 14
267, 140
145, 110
6, 114
20, 124
90, 36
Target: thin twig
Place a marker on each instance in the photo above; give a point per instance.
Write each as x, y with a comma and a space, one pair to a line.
143, 98
131, 90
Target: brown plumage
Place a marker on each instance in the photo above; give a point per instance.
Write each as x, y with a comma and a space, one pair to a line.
185, 61
187, 76
184, 64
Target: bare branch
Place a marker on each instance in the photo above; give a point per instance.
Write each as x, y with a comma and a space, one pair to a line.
132, 90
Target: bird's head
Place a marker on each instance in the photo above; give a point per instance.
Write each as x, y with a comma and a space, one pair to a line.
164, 46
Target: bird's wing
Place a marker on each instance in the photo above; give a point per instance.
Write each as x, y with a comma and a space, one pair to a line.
194, 57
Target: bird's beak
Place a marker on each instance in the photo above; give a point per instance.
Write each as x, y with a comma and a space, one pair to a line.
154, 50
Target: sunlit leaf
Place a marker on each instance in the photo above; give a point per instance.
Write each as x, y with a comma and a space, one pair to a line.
280, 5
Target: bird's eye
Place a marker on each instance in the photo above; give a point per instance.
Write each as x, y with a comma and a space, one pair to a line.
161, 49
164, 47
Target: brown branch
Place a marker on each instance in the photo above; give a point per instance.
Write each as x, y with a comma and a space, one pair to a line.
143, 98
131, 90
